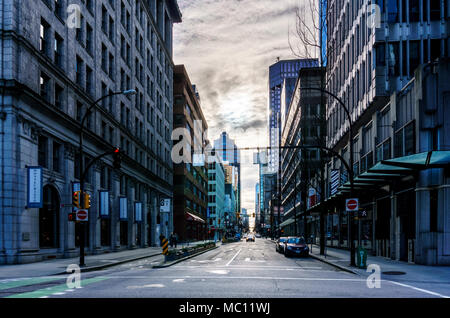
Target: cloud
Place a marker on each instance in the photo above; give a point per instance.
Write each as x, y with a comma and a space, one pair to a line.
227, 47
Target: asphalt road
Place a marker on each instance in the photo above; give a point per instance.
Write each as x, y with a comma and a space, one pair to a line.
236, 270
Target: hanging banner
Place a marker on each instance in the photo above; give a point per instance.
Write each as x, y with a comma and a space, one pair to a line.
335, 179
123, 208
138, 211
35, 193
104, 203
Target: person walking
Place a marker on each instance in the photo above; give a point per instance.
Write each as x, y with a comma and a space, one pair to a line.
175, 239
171, 239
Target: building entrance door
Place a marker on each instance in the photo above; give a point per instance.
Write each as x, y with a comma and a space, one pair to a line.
49, 219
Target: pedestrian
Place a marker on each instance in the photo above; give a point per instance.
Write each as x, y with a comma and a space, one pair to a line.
175, 239
171, 239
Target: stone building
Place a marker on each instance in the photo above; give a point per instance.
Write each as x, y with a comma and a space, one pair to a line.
58, 57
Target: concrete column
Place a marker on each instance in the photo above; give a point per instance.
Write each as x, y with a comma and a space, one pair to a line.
394, 230
374, 218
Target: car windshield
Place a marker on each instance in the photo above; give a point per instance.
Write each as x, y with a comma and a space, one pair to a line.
283, 239
296, 240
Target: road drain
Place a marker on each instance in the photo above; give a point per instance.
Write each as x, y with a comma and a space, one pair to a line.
394, 273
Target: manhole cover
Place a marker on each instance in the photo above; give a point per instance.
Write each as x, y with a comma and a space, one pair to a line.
394, 273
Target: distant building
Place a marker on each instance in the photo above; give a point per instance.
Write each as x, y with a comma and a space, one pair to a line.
190, 180
216, 199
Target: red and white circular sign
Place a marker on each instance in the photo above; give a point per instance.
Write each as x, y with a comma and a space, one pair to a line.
352, 205
82, 215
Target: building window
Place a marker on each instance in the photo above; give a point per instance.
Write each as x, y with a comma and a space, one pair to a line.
56, 157
79, 71
59, 91
89, 80
42, 151
89, 39
58, 50
79, 31
404, 144
59, 8
44, 37
44, 83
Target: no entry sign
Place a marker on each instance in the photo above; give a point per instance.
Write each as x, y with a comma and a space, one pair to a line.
82, 215
352, 205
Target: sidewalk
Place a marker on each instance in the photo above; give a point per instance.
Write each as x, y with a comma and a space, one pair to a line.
413, 272
93, 262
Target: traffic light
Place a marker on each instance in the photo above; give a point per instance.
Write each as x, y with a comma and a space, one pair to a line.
117, 159
76, 199
87, 201
72, 217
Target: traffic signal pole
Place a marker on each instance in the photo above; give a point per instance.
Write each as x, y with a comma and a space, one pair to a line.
83, 171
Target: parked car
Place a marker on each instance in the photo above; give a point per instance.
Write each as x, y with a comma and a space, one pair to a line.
250, 238
296, 246
279, 244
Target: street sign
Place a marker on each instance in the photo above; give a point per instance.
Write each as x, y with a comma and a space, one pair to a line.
82, 215
164, 205
352, 205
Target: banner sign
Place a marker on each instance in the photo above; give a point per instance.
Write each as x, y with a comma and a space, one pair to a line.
335, 179
138, 211
123, 208
35, 193
104, 203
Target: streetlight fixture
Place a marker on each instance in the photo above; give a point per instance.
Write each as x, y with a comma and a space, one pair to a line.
129, 92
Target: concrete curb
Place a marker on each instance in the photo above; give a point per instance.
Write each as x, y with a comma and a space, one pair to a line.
99, 267
164, 265
343, 268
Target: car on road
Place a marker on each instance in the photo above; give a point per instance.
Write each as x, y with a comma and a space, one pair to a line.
296, 246
258, 235
250, 238
279, 244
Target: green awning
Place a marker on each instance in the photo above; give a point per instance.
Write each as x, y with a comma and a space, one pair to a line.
420, 161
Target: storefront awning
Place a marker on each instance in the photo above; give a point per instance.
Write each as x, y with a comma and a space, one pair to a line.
385, 171
194, 218
421, 161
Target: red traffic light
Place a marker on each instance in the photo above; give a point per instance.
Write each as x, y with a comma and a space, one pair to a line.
117, 150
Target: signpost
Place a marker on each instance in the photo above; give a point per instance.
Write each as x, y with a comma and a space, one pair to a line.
352, 205
164, 205
82, 215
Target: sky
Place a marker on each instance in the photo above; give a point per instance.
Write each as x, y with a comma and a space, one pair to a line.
227, 47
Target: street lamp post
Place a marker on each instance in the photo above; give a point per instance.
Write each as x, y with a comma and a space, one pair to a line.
82, 174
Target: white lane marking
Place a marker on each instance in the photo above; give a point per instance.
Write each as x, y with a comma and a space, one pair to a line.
242, 277
58, 293
218, 259
419, 289
44, 297
234, 257
180, 280
147, 286
220, 272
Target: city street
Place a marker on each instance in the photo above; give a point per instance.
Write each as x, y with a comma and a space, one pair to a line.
234, 270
